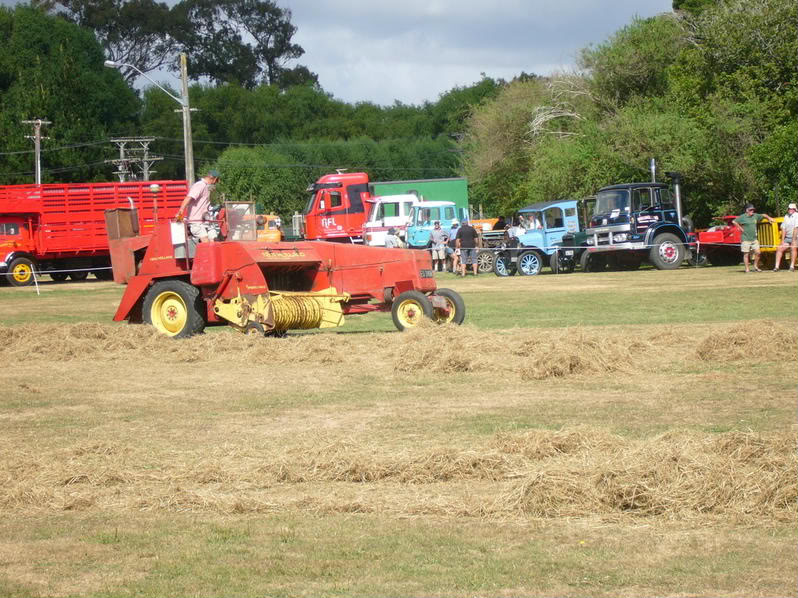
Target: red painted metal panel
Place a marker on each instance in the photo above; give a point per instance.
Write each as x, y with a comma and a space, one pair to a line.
70, 219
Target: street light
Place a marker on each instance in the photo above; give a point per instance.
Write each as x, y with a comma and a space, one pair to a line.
182, 100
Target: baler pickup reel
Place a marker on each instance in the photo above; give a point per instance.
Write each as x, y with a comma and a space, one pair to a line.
278, 311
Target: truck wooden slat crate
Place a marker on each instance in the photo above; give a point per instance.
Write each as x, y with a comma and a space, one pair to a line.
61, 228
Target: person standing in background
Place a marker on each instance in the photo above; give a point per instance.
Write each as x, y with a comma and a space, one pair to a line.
789, 237
746, 223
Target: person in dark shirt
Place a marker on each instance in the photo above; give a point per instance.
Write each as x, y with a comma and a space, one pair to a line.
467, 242
500, 224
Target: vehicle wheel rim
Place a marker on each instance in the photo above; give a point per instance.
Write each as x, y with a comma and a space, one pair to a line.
529, 263
441, 318
22, 273
485, 262
410, 313
501, 267
169, 313
668, 252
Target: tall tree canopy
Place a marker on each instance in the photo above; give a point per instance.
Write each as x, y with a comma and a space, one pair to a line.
137, 32
711, 91
53, 69
248, 42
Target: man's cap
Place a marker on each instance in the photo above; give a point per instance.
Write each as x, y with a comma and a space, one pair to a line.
792, 206
437, 222
749, 206
455, 223
214, 173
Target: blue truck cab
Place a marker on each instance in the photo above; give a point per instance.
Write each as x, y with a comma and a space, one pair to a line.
536, 235
423, 217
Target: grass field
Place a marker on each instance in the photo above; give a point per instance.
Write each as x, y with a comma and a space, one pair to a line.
612, 434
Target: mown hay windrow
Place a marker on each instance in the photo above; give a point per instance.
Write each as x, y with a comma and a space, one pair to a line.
445, 349
534, 355
673, 476
752, 341
529, 354
580, 472
541, 444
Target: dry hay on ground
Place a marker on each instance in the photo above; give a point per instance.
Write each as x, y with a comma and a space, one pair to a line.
752, 341
528, 353
579, 472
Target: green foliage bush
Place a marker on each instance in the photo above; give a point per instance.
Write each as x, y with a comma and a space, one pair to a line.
711, 93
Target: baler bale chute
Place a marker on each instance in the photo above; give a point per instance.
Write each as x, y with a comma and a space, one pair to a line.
257, 287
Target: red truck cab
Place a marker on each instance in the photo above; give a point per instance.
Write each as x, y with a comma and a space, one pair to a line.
338, 206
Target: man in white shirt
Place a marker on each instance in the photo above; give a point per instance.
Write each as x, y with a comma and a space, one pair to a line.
197, 203
789, 237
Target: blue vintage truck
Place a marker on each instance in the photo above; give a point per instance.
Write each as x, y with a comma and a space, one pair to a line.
535, 239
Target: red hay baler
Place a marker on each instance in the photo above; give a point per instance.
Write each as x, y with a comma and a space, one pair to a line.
256, 287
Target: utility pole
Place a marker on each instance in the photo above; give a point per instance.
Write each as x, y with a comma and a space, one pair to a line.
137, 155
187, 143
37, 143
184, 107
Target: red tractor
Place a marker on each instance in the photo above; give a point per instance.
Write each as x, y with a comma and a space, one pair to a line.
265, 288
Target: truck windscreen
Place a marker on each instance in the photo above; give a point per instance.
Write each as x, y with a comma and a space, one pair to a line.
609, 201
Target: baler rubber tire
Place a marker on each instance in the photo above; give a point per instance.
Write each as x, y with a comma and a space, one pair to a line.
59, 276
457, 310
81, 275
402, 309
171, 297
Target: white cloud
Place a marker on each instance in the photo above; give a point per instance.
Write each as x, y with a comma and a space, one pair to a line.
365, 50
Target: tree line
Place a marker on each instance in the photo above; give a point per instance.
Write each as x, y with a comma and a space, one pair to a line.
710, 90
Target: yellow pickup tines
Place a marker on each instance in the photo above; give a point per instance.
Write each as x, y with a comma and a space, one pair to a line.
301, 311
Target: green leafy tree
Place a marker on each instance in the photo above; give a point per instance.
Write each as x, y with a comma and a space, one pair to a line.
135, 32
242, 41
712, 93
53, 69
634, 61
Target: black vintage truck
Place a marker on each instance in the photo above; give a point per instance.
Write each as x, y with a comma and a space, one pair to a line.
635, 222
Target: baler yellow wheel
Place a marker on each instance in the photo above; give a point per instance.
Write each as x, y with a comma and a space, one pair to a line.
20, 272
410, 308
169, 313
456, 307
174, 308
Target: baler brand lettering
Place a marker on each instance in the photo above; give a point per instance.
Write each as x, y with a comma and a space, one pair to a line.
282, 256
328, 222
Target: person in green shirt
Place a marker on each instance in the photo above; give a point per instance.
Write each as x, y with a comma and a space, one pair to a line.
746, 223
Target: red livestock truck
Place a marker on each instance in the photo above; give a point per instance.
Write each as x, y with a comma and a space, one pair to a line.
60, 230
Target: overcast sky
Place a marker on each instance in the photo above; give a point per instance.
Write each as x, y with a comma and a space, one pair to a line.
413, 50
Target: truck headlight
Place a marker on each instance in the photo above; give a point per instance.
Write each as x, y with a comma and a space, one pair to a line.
619, 238
589, 241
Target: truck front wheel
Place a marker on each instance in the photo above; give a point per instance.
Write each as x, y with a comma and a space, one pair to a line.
410, 308
174, 308
20, 272
667, 252
502, 266
529, 263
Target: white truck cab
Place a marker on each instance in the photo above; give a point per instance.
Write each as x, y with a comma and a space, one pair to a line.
388, 211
